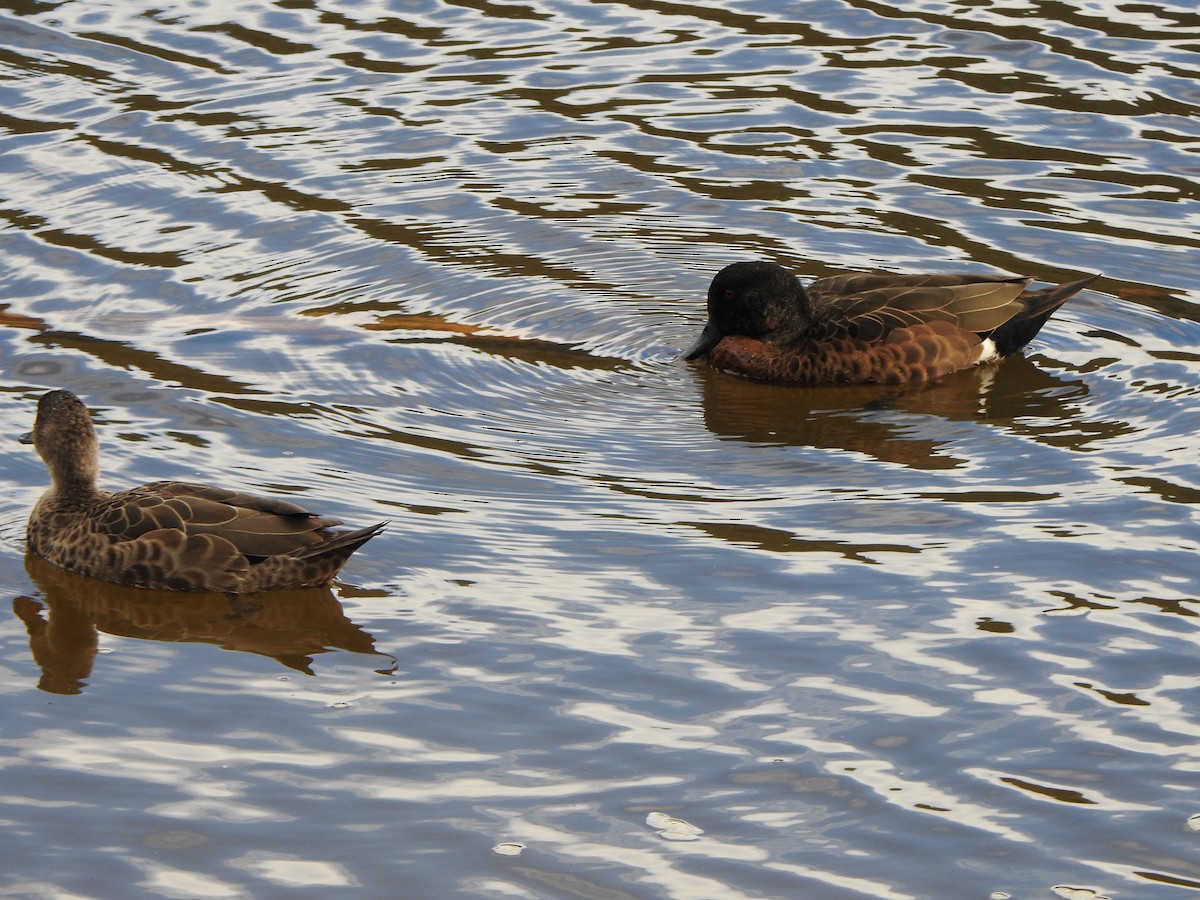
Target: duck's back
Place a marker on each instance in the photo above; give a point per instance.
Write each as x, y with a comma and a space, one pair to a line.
869, 307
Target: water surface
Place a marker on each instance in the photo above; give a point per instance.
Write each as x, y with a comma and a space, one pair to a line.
661, 632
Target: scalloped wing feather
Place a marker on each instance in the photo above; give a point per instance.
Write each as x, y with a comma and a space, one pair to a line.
169, 558
130, 514
257, 526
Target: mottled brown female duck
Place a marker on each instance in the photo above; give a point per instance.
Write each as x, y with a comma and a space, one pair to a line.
168, 534
864, 329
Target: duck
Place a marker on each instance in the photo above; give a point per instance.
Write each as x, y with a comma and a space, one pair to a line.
763, 324
171, 535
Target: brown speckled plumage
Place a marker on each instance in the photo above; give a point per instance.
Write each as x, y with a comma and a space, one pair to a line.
171, 535
864, 329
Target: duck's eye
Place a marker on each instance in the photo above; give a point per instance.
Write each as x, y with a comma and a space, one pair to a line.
730, 293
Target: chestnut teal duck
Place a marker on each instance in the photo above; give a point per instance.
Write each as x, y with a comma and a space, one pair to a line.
867, 329
171, 535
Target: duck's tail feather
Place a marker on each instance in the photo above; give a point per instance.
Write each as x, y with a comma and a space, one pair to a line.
1040, 305
311, 566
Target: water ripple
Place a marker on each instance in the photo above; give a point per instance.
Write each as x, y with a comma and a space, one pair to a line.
434, 262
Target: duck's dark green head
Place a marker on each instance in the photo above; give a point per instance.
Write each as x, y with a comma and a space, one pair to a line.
754, 299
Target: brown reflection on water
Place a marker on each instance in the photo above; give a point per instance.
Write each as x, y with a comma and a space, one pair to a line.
290, 627
424, 327
16, 320
780, 541
1016, 394
118, 353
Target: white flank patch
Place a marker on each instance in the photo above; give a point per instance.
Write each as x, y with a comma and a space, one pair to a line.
987, 351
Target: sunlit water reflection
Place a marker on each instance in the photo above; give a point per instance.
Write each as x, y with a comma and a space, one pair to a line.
637, 628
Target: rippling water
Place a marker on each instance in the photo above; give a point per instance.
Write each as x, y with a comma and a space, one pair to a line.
656, 631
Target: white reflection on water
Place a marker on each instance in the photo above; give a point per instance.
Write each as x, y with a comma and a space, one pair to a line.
653, 731
666, 872
217, 809
525, 785
169, 881
408, 749
293, 872
163, 762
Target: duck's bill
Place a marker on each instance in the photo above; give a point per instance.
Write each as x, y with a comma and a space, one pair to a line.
708, 339
26, 438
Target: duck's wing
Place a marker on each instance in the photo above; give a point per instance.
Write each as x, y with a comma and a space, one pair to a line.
257, 526
868, 307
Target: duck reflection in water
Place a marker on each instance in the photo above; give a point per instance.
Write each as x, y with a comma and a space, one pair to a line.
902, 424
290, 627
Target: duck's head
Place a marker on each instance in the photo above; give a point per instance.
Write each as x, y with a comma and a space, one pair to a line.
65, 439
754, 299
